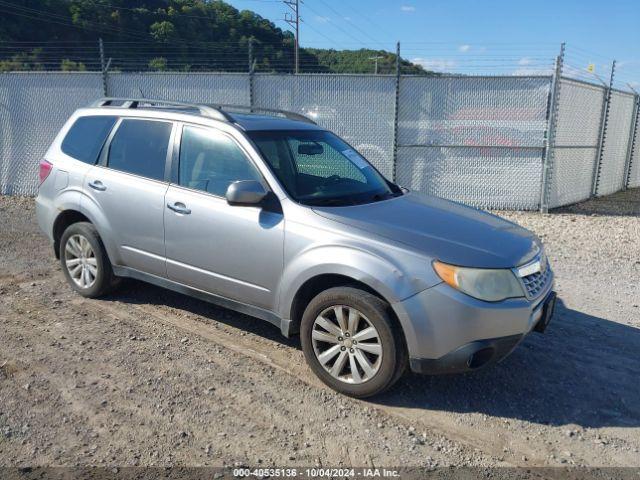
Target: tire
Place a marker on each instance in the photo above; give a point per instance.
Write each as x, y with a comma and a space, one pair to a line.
81, 247
323, 342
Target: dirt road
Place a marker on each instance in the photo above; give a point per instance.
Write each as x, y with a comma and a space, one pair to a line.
150, 377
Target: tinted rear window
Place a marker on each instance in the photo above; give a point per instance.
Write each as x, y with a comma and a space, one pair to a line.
86, 137
140, 147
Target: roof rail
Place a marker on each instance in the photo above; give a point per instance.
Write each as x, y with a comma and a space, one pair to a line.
204, 110
287, 114
216, 111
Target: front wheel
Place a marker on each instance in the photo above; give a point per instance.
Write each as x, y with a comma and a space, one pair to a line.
352, 343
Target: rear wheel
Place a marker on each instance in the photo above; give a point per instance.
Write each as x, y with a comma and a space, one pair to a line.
84, 260
352, 343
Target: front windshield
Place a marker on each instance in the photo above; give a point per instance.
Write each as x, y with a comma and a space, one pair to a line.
318, 168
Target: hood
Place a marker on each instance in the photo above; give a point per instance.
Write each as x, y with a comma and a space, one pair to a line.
443, 230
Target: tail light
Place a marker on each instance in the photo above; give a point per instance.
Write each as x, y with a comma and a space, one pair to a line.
45, 170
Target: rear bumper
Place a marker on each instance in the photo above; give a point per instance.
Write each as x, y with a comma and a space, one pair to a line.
45, 216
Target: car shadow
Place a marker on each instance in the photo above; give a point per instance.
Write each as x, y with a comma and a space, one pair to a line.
137, 292
625, 203
583, 370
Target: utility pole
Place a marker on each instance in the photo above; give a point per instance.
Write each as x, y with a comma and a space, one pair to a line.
294, 21
376, 58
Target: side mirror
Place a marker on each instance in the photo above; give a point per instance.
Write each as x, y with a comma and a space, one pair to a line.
245, 192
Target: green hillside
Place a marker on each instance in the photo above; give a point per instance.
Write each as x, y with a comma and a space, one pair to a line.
187, 35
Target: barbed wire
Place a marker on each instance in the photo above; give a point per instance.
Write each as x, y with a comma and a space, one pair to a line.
431, 58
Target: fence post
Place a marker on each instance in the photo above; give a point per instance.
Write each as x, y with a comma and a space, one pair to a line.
103, 68
633, 138
597, 170
251, 71
394, 174
550, 135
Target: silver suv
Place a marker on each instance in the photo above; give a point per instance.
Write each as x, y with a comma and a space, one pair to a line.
274, 216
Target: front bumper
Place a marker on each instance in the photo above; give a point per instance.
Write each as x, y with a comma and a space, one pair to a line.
450, 332
468, 357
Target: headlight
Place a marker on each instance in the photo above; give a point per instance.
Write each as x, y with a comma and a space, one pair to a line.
491, 285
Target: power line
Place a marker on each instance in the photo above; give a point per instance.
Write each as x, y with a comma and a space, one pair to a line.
183, 15
349, 21
42, 15
365, 17
317, 31
31, 17
360, 42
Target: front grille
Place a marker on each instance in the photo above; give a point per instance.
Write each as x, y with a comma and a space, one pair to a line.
535, 283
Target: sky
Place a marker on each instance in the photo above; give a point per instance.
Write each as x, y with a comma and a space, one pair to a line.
476, 36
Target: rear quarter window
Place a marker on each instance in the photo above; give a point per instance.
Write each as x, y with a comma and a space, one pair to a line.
86, 137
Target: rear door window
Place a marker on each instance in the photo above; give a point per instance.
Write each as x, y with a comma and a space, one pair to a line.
86, 137
140, 147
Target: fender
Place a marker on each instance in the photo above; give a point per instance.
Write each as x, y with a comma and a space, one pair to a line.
90, 209
47, 213
372, 268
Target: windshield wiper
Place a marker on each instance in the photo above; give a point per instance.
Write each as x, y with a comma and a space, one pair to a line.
385, 196
326, 202
347, 201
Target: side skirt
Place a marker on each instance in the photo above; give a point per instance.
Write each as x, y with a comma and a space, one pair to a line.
206, 296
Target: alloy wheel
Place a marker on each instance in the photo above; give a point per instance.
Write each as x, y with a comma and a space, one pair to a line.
346, 344
80, 260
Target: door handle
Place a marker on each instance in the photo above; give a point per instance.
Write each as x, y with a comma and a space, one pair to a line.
179, 207
97, 185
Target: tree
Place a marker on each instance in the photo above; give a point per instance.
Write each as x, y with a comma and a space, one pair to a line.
203, 35
163, 31
158, 64
70, 66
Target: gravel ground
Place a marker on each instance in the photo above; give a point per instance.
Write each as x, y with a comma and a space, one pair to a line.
149, 377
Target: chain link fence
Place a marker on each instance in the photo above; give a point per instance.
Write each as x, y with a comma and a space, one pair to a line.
633, 179
477, 140
580, 111
359, 108
33, 107
189, 87
614, 148
480, 140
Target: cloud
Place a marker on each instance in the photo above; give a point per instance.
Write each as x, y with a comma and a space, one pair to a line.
526, 71
527, 66
408, 8
435, 64
626, 63
465, 48
321, 19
